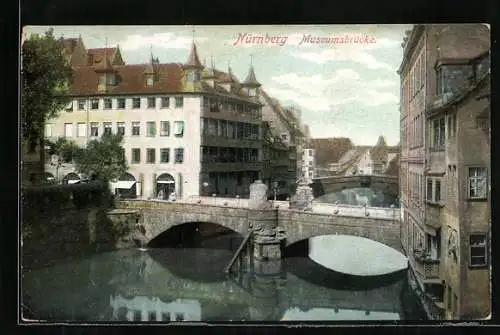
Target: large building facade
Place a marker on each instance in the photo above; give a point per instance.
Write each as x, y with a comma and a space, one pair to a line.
189, 130
444, 167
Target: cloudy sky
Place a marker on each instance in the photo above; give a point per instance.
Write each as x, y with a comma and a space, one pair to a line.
343, 89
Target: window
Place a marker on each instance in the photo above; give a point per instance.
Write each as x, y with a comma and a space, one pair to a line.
151, 102
151, 155
448, 300
179, 102
152, 316
137, 315
164, 128
179, 128
284, 137
81, 104
151, 129
108, 103
179, 317
439, 133
81, 129
94, 104
164, 155
477, 183
439, 81
136, 156
149, 81
121, 103
136, 103
136, 128
478, 250
437, 195
94, 129
165, 316
49, 130
453, 125
121, 128
179, 155
165, 102
107, 128
69, 106
68, 130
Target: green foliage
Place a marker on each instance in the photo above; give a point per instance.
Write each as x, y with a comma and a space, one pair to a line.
46, 76
105, 157
38, 199
63, 148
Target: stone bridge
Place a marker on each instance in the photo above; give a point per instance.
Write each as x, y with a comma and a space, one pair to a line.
325, 185
159, 216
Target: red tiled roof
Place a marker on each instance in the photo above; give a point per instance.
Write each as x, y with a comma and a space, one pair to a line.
95, 56
130, 80
70, 44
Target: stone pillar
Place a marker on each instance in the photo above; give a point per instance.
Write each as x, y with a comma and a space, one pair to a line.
263, 221
303, 198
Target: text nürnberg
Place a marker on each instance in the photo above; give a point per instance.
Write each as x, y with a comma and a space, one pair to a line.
260, 39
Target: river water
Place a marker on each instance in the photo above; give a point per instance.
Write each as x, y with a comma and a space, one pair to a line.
189, 284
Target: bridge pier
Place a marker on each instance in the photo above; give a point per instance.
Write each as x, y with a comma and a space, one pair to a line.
263, 220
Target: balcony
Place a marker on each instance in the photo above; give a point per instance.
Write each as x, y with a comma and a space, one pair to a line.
230, 167
426, 268
219, 141
433, 214
232, 115
279, 162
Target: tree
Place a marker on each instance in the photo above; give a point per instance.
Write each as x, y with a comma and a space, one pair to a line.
63, 148
105, 157
46, 76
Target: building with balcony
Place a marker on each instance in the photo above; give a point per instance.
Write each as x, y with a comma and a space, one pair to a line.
444, 167
285, 138
308, 165
187, 128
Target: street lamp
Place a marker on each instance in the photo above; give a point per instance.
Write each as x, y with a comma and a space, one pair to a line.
275, 189
205, 186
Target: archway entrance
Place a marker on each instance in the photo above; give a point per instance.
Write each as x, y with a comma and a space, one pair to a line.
71, 178
165, 186
126, 186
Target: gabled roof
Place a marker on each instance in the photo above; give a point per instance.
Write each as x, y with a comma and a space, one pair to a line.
70, 44
97, 55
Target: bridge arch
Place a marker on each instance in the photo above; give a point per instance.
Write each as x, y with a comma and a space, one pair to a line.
291, 243
193, 232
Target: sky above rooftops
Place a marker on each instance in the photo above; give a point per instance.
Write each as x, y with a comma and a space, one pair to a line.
346, 85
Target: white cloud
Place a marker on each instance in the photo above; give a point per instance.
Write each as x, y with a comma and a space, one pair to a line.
161, 40
345, 54
344, 86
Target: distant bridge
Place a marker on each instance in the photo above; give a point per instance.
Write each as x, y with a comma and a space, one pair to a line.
325, 185
377, 224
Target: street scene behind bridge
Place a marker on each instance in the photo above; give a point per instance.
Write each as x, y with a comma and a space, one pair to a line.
210, 174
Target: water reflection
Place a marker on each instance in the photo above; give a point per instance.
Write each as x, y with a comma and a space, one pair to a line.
170, 284
359, 197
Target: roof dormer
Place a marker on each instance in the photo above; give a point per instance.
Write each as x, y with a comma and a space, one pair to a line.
107, 75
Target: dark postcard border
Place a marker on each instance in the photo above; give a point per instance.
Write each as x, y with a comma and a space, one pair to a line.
63, 12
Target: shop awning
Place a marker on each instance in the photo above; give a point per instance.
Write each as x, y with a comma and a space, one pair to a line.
124, 184
165, 181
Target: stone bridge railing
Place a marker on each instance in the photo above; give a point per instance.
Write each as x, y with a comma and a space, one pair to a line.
317, 207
